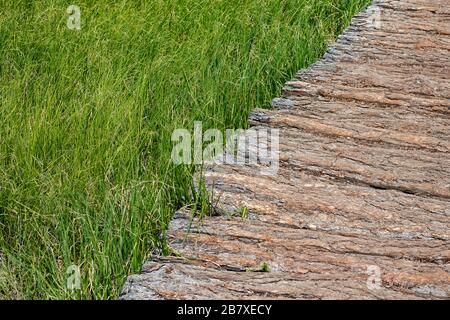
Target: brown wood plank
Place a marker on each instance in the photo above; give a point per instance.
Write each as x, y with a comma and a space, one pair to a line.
363, 182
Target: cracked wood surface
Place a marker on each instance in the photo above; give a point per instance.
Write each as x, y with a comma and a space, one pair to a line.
364, 180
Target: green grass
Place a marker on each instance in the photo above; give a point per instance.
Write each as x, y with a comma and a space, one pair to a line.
87, 117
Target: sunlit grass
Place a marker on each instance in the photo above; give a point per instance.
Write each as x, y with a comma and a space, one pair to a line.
87, 116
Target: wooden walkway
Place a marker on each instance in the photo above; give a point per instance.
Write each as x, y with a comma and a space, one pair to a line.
363, 188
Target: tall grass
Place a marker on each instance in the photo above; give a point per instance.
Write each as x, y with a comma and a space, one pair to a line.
86, 119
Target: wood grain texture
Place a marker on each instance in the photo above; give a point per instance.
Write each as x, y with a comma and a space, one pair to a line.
364, 179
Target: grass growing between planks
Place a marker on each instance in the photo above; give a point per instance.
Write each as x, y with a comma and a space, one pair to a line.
86, 119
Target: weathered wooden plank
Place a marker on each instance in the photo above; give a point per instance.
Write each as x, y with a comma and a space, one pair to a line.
175, 278
333, 205
363, 182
